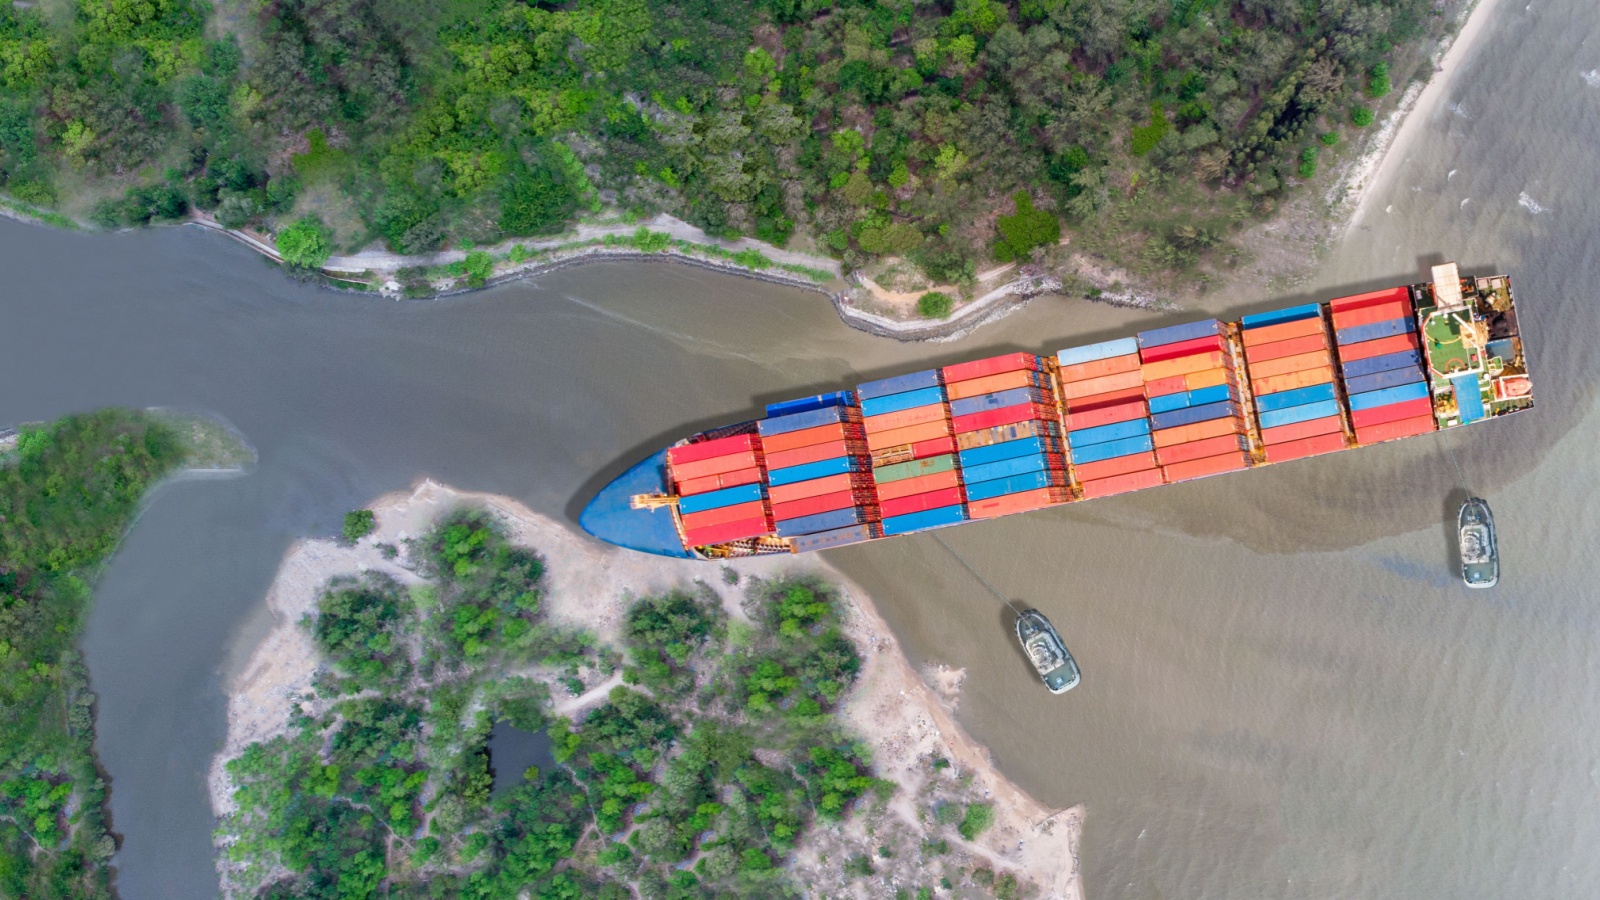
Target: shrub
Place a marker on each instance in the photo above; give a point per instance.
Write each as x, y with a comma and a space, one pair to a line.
1361, 116
1026, 229
358, 523
306, 244
935, 305
1378, 83
977, 820
479, 265
1146, 137
1329, 139
1308, 162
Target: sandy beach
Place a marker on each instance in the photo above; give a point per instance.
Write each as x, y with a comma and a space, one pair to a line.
905, 720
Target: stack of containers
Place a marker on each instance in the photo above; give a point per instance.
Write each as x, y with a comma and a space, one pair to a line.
914, 471
1005, 419
1291, 375
1197, 425
816, 474
719, 488
1383, 367
1107, 422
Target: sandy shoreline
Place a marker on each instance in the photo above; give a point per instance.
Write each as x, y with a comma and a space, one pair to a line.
894, 709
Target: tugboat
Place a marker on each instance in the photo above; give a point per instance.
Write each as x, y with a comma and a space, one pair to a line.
1046, 651
1480, 560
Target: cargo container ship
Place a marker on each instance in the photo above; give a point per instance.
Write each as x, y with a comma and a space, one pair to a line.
1021, 432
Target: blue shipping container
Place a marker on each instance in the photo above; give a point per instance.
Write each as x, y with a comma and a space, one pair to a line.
826, 540
922, 521
1377, 381
820, 469
828, 521
785, 424
889, 403
1116, 431
1469, 397
977, 456
1214, 394
1103, 350
1375, 364
806, 404
1112, 449
1279, 316
899, 384
1319, 410
744, 493
1297, 397
1016, 484
1005, 468
1387, 396
1176, 334
998, 400
1376, 330
1192, 414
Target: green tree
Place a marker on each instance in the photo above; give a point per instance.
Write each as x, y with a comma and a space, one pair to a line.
1025, 229
305, 243
358, 523
935, 305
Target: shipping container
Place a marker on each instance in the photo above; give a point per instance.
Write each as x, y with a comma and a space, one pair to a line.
1210, 344
921, 484
1121, 465
1005, 468
1000, 400
1177, 453
837, 466
913, 434
1277, 417
1278, 384
1165, 387
1394, 412
914, 468
907, 452
722, 534
1195, 381
718, 482
994, 365
1279, 349
1378, 381
1112, 449
1096, 401
1102, 385
1283, 365
1106, 415
744, 493
1388, 395
1376, 330
992, 417
828, 521
889, 403
1370, 314
716, 465
740, 443
1099, 368
1300, 430
785, 493
1006, 504
1005, 381
1374, 364
805, 437
1371, 298
1193, 414
899, 384
1173, 334
1389, 431
1121, 484
1379, 347
922, 521
838, 537
1103, 350
901, 506
814, 453
1007, 450
806, 404
1211, 465
1296, 397
1277, 316
1283, 331
1183, 365
1002, 433
1201, 397
1086, 437
1309, 446
1168, 437
810, 506
905, 418
738, 512
1014, 484
812, 419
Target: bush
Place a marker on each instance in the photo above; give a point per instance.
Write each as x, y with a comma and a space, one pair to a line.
1308, 162
935, 305
977, 820
1378, 83
1146, 137
358, 524
478, 266
1361, 116
306, 244
1329, 139
1028, 228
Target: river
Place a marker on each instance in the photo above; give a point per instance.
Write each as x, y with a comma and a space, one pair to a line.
1286, 690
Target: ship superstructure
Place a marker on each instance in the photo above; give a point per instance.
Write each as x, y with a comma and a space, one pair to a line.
1022, 431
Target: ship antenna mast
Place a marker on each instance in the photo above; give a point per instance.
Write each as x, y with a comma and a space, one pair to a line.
978, 575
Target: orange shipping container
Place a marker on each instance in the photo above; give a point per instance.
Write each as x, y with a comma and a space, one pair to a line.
1285, 433
1212, 465
1280, 349
921, 484
1005, 381
1283, 331
1121, 465
1293, 380
1383, 312
787, 493
738, 512
805, 437
1118, 484
1183, 365
1283, 365
1199, 431
1100, 368
1389, 431
1216, 446
802, 455
925, 432
1311, 446
716, 465
904, 418
1103, 385
1209, 378
718, 482
1015, 503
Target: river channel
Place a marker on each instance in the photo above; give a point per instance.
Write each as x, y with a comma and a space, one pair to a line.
1287, 692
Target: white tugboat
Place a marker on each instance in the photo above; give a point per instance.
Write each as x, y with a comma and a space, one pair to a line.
1046, 651
1480, 560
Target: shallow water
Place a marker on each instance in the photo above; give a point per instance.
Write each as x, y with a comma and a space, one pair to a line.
1286, 691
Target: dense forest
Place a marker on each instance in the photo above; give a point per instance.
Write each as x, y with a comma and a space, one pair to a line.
67, 493
947, 133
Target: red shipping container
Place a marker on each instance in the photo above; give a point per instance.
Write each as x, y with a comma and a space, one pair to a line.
1177, 384
1200, 449
1367, 315
1394, 412
993, 365
1099, 368
805, 437
900, 506
1104, 384
1311, 446
1212, 465
1096, 401
935, 447
1291, 347
1121, 465
718, 482
708, 449
723, 515
784, 493
1118, 484
716, 465
810, 506
1183, 348
1015, 503
1126, 411
904, 418
721, 534
1381, 347
992, 417
921, 484
1283, 331
1400, 428
1371, 298
802, 455
1311, 428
